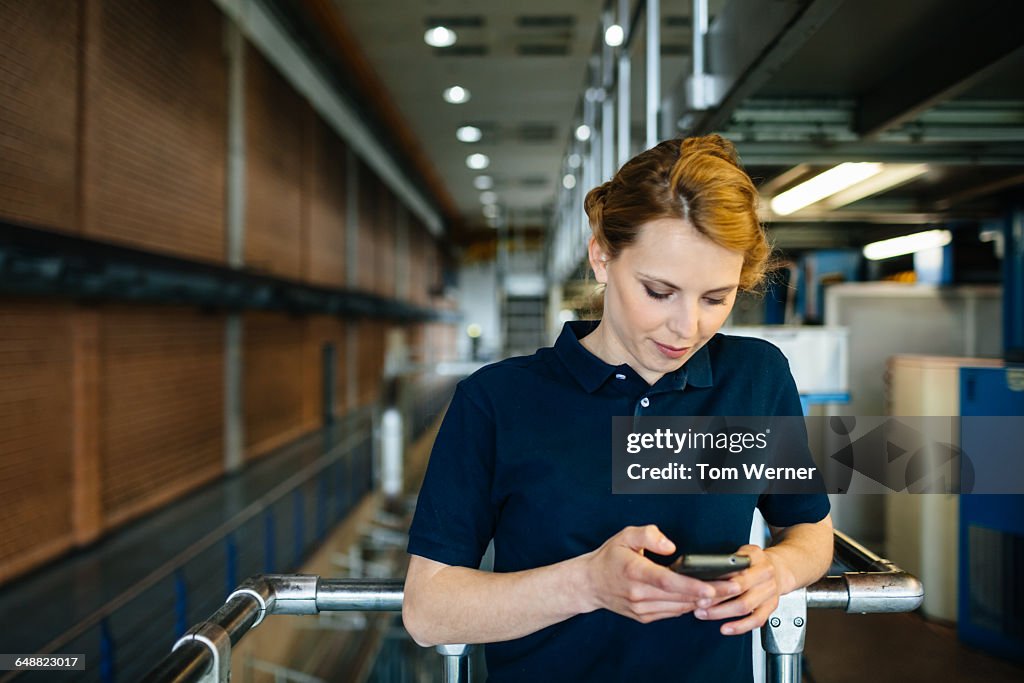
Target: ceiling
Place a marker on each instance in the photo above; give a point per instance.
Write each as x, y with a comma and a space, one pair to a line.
804, 83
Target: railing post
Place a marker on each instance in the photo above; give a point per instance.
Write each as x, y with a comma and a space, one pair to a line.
299, 525
455, 662
321, 506
106, 652
180, 603
230, 563
783, 638
269, 538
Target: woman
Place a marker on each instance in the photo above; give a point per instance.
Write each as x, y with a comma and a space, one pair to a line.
579, 589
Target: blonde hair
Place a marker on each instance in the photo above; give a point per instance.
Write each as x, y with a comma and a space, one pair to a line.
696, 179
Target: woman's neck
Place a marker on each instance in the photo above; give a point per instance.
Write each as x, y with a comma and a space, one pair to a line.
599, 343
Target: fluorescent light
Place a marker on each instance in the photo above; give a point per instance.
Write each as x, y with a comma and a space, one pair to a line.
823, 185
908, 244
468, 134
478, 162
891, 176
483, 182
569, 181
613, 35
439, 36
488, 197
456, 95
583, 132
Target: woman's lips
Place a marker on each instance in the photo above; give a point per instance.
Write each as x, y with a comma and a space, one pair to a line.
671, 351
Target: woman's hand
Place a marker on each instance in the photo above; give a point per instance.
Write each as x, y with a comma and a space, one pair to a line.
619, 578
755, 594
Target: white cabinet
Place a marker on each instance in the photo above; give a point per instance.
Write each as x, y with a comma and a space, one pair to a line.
922, 530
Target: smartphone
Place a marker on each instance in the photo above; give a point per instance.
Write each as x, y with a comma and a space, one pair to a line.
706, 567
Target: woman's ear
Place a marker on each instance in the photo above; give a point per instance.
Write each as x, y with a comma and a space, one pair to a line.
598, 261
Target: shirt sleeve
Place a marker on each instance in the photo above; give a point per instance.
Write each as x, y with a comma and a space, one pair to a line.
454, 519
781, 509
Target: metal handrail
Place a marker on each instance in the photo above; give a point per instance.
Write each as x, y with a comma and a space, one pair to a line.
358, 420
204, 653
873, 585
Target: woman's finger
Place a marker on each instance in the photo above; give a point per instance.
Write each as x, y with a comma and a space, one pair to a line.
741, 605
753, 620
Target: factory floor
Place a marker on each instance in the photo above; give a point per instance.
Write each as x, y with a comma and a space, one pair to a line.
895, 648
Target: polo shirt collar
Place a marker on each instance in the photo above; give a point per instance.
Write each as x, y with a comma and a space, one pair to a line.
591, 372
698, 368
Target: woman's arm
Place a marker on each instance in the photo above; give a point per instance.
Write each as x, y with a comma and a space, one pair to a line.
803, 551
446, 604
800, 555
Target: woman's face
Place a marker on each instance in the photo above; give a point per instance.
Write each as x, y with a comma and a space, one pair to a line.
666, 295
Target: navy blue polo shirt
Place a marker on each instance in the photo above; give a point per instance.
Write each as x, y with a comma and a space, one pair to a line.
523, 456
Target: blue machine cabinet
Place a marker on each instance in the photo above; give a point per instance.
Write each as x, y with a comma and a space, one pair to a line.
991, 576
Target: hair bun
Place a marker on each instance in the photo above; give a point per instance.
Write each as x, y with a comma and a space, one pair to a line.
594, 206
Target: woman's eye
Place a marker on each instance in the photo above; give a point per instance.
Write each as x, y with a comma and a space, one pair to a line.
655, 295
715, 302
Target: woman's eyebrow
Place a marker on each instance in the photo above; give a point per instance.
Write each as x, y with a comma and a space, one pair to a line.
717, 290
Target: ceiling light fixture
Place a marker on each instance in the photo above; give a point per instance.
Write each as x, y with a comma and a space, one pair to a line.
468, 134
478, 162
439, 36
583, 132
488, 197
613, 35
574, 160
491, 211
823, 185
569, 181
891, 176
456, 95
908, 244
483, 182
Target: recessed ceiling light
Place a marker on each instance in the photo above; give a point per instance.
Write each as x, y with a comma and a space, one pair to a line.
613, 35
456, 95
439, 36
483, 182
478, 162
569, 181
574, 160
468, 134
491, 211
583, 132
488, 197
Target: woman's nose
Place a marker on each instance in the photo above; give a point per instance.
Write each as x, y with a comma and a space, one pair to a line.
684, 322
